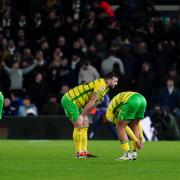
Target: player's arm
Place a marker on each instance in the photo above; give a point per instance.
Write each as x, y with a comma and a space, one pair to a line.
90, 105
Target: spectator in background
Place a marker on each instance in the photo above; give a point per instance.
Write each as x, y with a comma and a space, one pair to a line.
75, 66
65, 88
145, 81
6, 23
37, 27
44, 47
65, 73
27, 109
11, 47
22, 41
16, 102
163, 61
87, 73
16, 56
101, 46
128, 60
170, 97
27, 58
51, 108
141, 54
53, 73
172, 73
16, 74
93, 58
107, 64
63, 45
8, 110
41, 62
5, 51
83, 45
38, 91
77, 48
22, 23
53, 27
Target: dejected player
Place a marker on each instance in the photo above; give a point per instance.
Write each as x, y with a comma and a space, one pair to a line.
127, 108
77, 104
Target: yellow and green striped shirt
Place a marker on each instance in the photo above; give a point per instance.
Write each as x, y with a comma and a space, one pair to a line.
80, 95
116, 104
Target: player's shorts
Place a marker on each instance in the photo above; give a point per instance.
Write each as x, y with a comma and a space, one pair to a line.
132, 110
1, 104
72, 111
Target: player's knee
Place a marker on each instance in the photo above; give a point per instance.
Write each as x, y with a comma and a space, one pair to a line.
85, 123
78, 124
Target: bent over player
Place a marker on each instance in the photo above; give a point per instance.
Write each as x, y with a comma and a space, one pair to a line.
77, 104
127, 108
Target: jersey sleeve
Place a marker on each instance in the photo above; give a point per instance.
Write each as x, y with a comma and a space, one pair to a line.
109, 114
100, 89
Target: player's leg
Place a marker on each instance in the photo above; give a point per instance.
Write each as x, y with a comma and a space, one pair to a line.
122, 135
84, 138
84, 135
72, 112
1, 104
130, 134
127, 113
121, 122
140, 115
136, 125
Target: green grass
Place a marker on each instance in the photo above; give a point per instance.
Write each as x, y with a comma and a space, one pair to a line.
49, 160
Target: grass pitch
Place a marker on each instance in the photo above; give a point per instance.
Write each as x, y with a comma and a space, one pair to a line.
51, 160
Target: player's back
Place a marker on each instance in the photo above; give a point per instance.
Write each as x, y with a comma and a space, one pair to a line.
81, 94
118, 101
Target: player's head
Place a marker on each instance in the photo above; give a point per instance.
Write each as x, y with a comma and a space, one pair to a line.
111, 79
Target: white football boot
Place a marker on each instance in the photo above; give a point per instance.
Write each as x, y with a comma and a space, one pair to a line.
134, 155
127, 156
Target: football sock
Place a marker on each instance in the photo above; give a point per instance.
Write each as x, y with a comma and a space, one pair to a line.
133, 146
125, 146
84, 139
77, 139
130, 134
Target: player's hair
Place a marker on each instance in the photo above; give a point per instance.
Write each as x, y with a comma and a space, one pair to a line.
111, 75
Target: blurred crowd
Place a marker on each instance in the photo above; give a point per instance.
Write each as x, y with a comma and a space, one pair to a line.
47, 51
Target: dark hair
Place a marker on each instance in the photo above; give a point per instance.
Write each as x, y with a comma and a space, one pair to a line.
27, 97
86, 63
111, 75
111, 52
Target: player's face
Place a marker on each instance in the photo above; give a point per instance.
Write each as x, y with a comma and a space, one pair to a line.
114, 82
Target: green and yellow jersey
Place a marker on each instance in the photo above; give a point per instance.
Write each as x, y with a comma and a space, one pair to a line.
116, 104
80, 95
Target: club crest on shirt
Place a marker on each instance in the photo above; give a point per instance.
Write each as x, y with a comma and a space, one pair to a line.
101, 89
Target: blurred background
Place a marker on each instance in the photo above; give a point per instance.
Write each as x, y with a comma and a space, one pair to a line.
50, 46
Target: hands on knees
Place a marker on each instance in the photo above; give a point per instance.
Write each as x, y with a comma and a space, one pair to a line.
81, 122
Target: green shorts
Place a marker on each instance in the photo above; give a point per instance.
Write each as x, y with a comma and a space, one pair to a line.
1, 104
72, 111
133, 109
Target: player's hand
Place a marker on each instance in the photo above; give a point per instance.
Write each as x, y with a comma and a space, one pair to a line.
141, 140
83, 118
80, 122
138, 144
